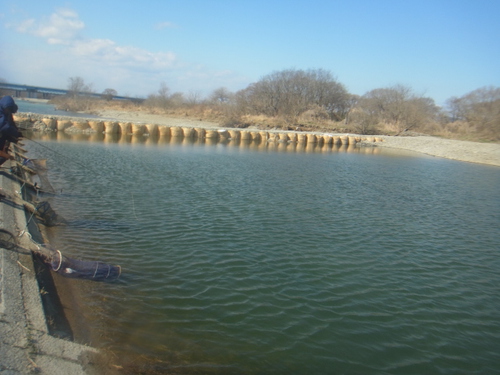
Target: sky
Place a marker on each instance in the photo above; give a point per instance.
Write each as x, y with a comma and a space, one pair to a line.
439, 48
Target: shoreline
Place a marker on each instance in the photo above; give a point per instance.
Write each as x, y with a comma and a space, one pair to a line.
466, 151
29, 345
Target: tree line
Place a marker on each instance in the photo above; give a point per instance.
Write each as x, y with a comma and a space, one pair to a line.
315, 100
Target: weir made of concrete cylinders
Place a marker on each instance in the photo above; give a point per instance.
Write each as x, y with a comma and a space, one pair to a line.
63, 124
335, 140
152, 130
283, 137
352, 140
327, 139
264, 136
125, 127
199, 132
292, 137
137, 129
311, 138
188, 132
256, 136
344, 140
223, 134
111, 127
97, 126
81, 125
234, 134
272, 137
246, 135
164, 131
212, 134
51, 123
302, 138
176, 132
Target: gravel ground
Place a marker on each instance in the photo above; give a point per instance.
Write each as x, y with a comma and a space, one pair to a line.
473, 152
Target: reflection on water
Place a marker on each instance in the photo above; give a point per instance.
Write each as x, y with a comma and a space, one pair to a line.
250, 260
254, 145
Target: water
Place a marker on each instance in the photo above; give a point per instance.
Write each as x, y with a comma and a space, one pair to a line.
252, 261
44, 108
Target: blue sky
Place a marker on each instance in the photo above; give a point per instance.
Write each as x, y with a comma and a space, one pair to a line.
440, 48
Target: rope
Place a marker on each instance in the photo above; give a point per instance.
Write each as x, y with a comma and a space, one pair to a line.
109, 271
28, 223
96, 268
60, 261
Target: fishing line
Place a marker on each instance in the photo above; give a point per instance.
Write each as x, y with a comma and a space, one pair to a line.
85, 167
59, 153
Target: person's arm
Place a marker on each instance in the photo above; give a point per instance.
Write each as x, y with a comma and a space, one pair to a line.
5, 155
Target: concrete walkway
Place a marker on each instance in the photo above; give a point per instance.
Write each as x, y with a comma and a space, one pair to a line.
26, 346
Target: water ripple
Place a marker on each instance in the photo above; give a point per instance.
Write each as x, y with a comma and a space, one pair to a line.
289, 263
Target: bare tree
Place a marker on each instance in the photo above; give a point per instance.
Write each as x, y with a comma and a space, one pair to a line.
289, 93
77, 86
108, 94
220, 96
397, 106
161, 99
163, 91
480, 108
176, 99
193, 98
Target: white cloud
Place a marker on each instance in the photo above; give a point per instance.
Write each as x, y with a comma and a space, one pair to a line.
102, 62
60, 28
63, 28
109, 53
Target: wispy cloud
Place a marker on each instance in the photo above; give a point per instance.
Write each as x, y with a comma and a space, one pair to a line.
25, 26
62, 27
165, 25
105, 62
109, 53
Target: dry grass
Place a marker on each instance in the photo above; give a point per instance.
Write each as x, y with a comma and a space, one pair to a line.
309, 121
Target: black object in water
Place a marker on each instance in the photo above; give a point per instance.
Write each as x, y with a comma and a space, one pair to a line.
83, 269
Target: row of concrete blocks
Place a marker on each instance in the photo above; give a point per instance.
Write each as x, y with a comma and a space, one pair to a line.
114, 127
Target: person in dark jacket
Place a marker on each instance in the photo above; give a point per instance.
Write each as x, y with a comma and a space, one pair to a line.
8, 129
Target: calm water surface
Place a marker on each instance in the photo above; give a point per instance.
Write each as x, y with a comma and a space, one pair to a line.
44, 108
251, 261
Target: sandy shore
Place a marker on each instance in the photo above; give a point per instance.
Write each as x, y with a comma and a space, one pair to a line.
473, 152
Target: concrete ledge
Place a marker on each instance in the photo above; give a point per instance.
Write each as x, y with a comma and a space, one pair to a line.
25, 343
